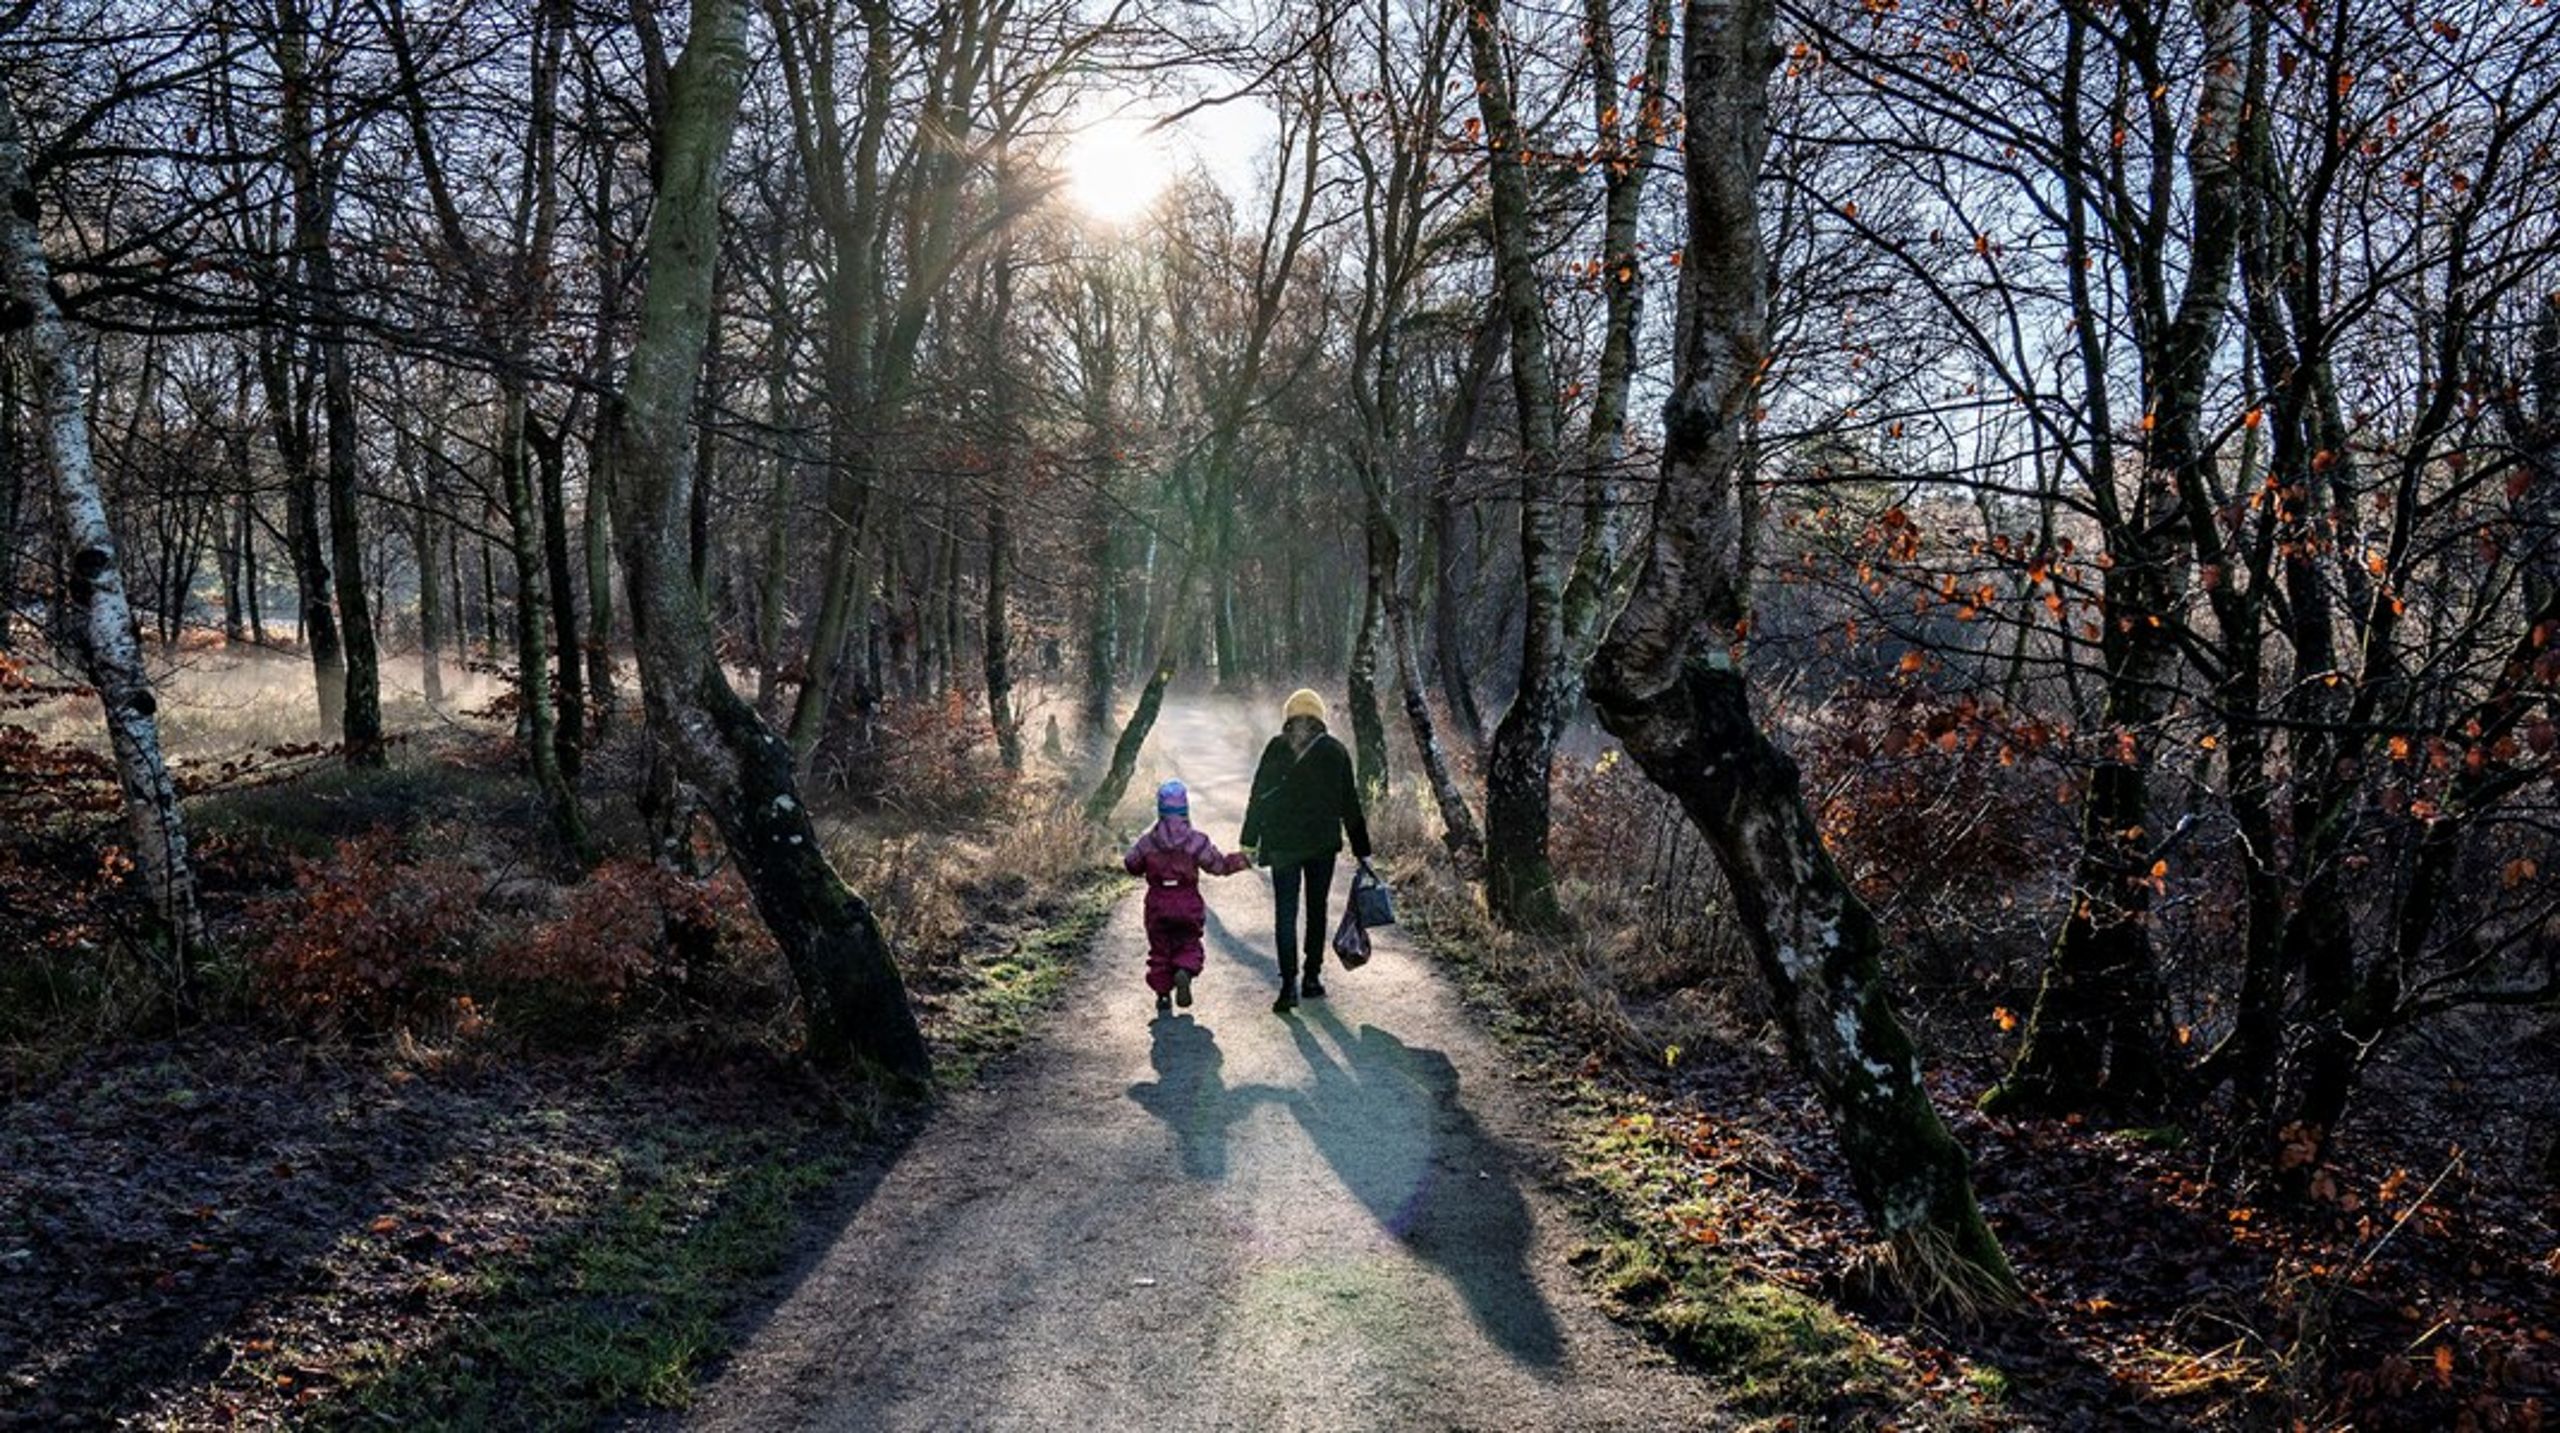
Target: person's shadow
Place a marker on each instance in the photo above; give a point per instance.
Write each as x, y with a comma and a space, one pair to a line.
1387, 1117
1190, 1095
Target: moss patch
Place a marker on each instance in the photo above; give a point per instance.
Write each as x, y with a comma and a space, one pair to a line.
1006, 986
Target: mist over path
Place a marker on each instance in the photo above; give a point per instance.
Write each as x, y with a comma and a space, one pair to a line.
1218, 1219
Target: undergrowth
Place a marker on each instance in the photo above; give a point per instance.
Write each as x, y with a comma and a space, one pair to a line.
1668, 1230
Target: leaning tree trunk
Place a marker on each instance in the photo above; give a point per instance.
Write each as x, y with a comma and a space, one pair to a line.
1161, 646
1102, 616
103, 637
1667, 684
1458, 829
739, 770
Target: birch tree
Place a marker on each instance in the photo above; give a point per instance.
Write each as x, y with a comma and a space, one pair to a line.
104, 635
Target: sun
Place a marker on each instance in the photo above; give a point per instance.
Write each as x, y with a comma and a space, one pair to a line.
1113, 169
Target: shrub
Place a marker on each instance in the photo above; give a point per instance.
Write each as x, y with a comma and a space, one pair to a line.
929, 757
369, 939
1945, 813
631, 925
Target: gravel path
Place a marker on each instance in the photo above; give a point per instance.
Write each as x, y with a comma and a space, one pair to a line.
1222, 1219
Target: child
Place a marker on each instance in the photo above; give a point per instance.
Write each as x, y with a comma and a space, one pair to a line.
1171, 856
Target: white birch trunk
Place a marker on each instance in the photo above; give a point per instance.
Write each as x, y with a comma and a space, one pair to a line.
110, 651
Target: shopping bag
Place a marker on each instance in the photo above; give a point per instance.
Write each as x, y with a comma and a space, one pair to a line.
1350, 942
1371, 901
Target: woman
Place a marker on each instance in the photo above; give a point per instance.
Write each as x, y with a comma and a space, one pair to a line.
1304, 800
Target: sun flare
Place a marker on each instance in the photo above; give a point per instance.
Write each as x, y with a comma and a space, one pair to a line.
1113, 170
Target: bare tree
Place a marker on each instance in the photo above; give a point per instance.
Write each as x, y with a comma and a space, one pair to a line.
104, 636
1668, 683
740, 771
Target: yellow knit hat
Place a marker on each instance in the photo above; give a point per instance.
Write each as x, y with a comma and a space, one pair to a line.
1303, 703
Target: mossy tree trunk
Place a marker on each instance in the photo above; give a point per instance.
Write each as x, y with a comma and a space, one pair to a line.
1667, 684
740, 771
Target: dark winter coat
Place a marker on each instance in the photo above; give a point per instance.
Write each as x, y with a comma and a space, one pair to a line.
1302, 804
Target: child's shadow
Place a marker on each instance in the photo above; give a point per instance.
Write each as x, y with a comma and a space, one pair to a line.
1190, 1095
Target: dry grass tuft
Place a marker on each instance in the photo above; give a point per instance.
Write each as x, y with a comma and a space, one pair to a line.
1618, 981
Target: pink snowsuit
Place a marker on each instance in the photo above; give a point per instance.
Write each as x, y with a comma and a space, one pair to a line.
1172, 856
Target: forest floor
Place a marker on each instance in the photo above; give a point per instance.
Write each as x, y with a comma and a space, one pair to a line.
1490, 1183
1218, 1218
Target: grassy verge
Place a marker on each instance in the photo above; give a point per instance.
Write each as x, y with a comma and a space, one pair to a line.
1008, 987
1676, 1205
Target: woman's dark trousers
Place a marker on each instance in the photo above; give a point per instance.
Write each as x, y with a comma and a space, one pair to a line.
1316, 877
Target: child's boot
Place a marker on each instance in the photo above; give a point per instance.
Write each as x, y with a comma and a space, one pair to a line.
1181, 990
1164, 1004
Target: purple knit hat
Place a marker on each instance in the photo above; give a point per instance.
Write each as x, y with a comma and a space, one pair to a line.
1173, 799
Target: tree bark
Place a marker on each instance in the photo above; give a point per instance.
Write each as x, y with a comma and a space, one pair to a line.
551, 459
317, 615
1667, 684
225, 517
12, 499
537, 719
250, 581
1162, 647
1629, 121
1458, 829
432, 619
1368, 725
739, 770
999, 631
104, 636
361, 727
342, 643
1519, 880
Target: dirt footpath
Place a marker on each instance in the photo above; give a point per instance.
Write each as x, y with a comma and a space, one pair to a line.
1221, 1219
